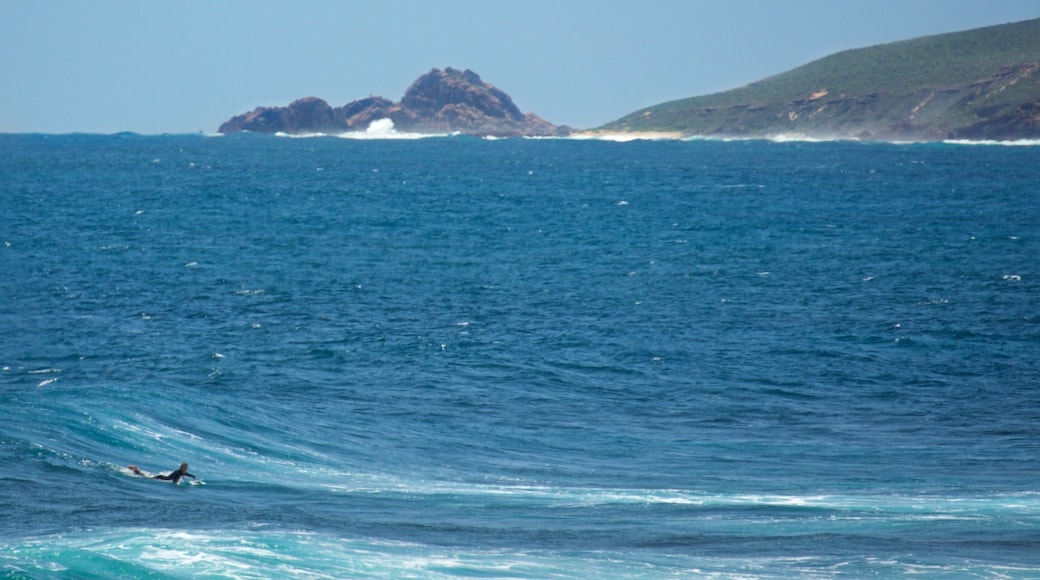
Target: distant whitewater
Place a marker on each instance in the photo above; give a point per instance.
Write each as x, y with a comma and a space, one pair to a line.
385, 356
385, 129
378, 129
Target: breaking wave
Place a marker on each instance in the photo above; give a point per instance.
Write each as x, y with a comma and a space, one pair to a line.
1015, 143
625, 137
378, 129
384, 129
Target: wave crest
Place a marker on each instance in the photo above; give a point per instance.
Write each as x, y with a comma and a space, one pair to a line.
384, 129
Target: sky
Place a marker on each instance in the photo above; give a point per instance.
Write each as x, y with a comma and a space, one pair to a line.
186, 66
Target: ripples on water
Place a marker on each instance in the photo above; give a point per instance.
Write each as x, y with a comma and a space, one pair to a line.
455, 357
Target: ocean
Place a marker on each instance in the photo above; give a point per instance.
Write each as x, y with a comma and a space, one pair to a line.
455, 357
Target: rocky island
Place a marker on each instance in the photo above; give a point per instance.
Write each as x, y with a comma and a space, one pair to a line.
440, 101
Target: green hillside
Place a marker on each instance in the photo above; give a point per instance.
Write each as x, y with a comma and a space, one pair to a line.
981, 83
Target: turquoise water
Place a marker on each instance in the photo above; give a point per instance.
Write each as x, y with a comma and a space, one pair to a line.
452, 357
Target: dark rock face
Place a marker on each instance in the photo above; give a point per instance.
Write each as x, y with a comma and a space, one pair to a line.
300, 115
448, 96
357, 115
1021, 122
439, 101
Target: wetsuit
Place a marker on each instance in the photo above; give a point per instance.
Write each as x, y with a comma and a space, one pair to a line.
175, 477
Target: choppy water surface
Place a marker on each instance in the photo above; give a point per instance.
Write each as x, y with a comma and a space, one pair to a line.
456, 357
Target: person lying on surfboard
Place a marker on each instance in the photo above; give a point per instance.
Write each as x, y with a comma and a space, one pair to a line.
174, 476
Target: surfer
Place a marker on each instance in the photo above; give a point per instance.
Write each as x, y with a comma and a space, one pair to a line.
174, 476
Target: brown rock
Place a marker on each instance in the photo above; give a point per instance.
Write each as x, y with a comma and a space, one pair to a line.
306, 115
358, 115
439, 101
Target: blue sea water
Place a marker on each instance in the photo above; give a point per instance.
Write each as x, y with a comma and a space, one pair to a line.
454, 357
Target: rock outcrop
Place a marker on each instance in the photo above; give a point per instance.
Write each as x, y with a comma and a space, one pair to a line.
299, 115
440, 101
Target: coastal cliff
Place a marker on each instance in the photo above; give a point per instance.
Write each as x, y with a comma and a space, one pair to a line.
440, 101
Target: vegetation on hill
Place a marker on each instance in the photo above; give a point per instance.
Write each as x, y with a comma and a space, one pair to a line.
981, 83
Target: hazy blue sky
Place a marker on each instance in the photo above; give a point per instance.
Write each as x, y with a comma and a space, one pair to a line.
186, 65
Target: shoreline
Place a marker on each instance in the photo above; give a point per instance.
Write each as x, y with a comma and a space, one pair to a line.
622, 136
612, 136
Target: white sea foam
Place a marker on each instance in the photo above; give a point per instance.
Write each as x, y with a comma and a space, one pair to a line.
297, 554
625, 137
671, 136
299, 135
621, 137
140, 430
272, 553
384, 129
910, 507
44, 371
1014, 143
